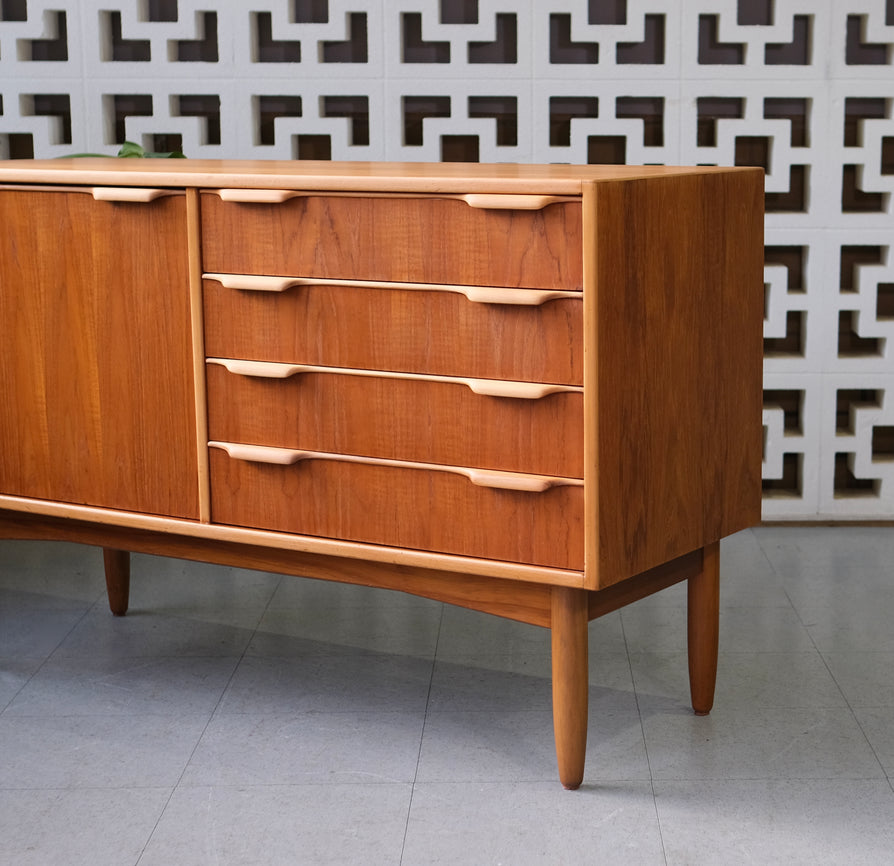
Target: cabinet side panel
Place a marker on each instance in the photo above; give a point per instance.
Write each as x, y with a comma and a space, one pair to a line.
679, 366
741, 351
97, 395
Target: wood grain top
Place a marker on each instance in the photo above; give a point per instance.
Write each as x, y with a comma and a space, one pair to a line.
321, 175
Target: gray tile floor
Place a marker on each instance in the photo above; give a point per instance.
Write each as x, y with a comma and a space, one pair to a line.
235, 717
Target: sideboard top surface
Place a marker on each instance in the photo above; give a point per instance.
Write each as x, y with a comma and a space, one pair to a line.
322, 175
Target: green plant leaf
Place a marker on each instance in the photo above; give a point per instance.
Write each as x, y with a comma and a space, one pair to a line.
130, 150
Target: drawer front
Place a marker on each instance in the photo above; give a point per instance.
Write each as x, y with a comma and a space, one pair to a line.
418, 509
425, 239
439, 331
399, 418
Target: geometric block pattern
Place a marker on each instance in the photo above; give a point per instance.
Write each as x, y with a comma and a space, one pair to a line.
803, 88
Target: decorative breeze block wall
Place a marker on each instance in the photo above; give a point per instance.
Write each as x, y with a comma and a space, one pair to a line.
804, 88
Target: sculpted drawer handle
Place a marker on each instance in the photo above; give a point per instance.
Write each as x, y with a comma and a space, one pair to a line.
482, 387
252, 283
258, 196
486, 201
476, 294
129, 193
493, 479
483, 201
513, 297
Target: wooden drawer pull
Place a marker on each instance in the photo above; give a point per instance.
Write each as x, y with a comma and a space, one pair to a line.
487, 201
513, 297
258, 196
482, 387
482, 201
493, 479
253, 283
476, 294
129, 193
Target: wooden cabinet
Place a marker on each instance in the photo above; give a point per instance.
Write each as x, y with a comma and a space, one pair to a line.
96, 383
533, 391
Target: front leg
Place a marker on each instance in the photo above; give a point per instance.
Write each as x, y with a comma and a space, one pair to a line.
704, 629
570, 682
117, 567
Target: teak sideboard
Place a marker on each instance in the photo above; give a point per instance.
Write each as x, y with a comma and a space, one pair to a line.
529, 390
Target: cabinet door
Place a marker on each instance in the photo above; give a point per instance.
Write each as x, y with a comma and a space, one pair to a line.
96, 393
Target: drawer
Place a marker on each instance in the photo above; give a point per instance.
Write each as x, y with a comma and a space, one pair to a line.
433, 329
464, 422
430, 508
411, 239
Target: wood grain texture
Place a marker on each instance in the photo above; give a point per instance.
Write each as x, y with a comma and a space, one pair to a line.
413, 239
570, 682
646, 583
16, 513
512, 599
117, 569
197, 338
96, 383
388, 329
703, 629
422, 510
679, 434
410, 177
401, 419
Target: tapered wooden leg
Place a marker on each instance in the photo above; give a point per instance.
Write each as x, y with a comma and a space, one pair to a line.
569, 662
703, 617
117, 566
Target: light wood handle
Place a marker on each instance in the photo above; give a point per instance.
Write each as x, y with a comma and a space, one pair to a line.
492, 201
261, 369
258, 196
253, 283
128, 193
261, 453
483, 387
512, 297
515, 390
475, 294
493, 479
483, 201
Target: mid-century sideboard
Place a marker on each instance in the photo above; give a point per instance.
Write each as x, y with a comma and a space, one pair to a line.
529, 390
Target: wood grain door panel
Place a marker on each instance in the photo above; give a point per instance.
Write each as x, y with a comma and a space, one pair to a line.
407, 508
412, 239
96, 381
399, 418
437, 332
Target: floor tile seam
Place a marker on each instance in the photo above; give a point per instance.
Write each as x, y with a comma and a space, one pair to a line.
300, 713
854, 714
210, 718
310, 783
109, 715
425, 717
642, 731
832, 781
722, 653
68, 789
739, 708
734, 712
551, 781
869, 741
525, 711
41, 663
780, 582
340, 653
66, 660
